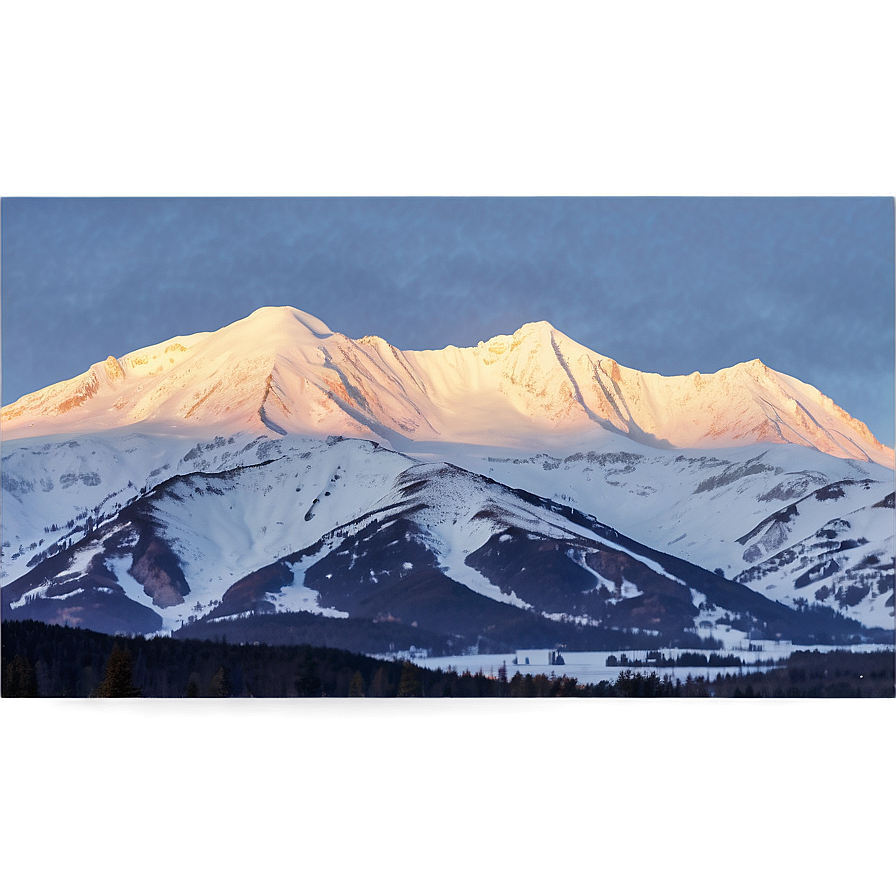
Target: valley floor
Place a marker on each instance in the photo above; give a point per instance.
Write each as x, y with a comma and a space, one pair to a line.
593, 667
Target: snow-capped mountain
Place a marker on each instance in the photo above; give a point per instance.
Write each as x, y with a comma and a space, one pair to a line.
747, 472
283, 371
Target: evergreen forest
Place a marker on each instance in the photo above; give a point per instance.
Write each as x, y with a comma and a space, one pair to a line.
40, 660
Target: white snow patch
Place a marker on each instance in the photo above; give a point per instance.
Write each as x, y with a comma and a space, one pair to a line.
298, 597
629, 589
569, 618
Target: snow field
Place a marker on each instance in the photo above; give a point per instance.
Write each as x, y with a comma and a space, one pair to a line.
591, 667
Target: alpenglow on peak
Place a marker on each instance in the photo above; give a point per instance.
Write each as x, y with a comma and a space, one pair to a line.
282, 370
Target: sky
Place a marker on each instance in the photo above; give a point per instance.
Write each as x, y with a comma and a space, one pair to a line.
680, 186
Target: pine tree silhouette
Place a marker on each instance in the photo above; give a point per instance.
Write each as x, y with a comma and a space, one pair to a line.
308, 682
356, 687
119, 678
409, 686
221, 684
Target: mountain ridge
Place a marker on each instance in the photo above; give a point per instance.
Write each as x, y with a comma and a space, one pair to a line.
281, 370
386, 539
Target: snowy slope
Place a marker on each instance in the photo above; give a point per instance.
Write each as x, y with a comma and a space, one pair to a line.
726, 510
691, 503
223, 525
351, 530
54, 489
846, 563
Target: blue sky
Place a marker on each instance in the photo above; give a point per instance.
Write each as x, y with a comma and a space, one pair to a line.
680, 186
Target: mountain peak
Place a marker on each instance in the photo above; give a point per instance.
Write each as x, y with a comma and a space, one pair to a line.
538, 327
276, 316
756, 367
541, 331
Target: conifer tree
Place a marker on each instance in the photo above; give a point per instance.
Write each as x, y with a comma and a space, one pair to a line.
356, 687
379, 687
409, 686
308, 683
221, 684
119, 678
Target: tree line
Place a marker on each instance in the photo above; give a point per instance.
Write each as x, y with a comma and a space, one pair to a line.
40, 660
